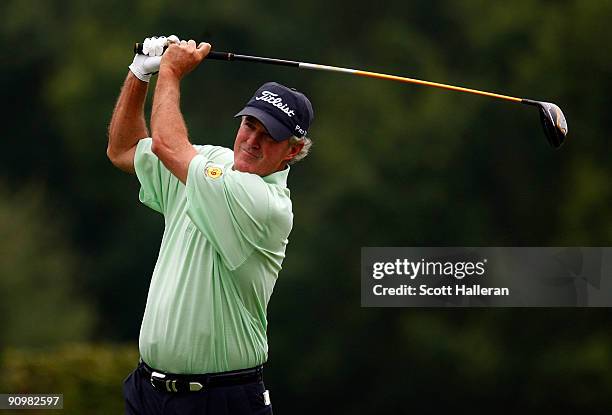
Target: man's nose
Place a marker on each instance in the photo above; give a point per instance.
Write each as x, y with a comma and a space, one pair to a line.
253, 139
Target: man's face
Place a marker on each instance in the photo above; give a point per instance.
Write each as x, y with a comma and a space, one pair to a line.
255, 151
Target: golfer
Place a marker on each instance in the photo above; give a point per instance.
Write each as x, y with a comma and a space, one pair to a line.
227, 218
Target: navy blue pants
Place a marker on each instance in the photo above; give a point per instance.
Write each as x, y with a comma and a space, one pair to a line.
141, 398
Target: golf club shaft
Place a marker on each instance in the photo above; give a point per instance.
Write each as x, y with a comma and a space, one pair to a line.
227, 56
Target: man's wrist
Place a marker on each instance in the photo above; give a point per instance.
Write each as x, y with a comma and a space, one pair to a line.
141, 76
135, 81
168, 73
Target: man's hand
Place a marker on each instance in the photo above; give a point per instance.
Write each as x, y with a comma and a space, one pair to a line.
147, 64
182, 58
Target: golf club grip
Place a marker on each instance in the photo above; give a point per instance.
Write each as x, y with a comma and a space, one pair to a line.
224, 56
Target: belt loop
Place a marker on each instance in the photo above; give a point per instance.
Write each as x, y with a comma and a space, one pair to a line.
206, 381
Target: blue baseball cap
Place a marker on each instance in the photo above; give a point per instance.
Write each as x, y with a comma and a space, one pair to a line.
284, 111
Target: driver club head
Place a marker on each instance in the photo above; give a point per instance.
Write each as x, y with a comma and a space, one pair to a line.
553, 122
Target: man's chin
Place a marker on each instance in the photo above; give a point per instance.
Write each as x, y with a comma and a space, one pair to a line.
244, 167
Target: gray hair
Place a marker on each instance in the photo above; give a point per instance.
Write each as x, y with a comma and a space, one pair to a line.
304, 151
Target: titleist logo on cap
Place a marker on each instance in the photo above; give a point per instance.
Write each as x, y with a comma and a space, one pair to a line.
274, 99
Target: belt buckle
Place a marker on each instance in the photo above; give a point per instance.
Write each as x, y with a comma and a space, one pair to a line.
159, 379
170, 385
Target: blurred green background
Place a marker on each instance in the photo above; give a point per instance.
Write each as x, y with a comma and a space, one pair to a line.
392, 165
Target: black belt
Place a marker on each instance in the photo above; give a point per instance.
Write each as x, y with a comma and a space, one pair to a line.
170, 382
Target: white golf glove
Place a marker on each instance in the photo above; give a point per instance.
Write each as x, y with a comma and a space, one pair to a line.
147, 64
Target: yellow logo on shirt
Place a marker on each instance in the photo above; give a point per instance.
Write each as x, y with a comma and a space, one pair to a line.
213, 172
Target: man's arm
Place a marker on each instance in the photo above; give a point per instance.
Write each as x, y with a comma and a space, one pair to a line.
127, 124
170, 137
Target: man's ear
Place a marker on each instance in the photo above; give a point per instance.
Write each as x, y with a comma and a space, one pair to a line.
294, 150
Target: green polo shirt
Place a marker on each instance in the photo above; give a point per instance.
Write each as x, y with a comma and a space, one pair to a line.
223, 245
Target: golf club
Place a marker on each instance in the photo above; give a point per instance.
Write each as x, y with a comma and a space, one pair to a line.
551, 116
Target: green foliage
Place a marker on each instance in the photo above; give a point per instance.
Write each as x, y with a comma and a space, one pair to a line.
38, 296
88, 375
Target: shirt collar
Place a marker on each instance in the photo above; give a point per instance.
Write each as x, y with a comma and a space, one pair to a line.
278, 177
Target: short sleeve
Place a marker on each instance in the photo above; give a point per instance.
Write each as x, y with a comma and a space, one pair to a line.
229, 207
158, 185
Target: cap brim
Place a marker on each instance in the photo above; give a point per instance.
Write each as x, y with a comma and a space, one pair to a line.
277, 130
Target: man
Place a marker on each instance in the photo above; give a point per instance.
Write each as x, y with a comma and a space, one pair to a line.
227, 218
